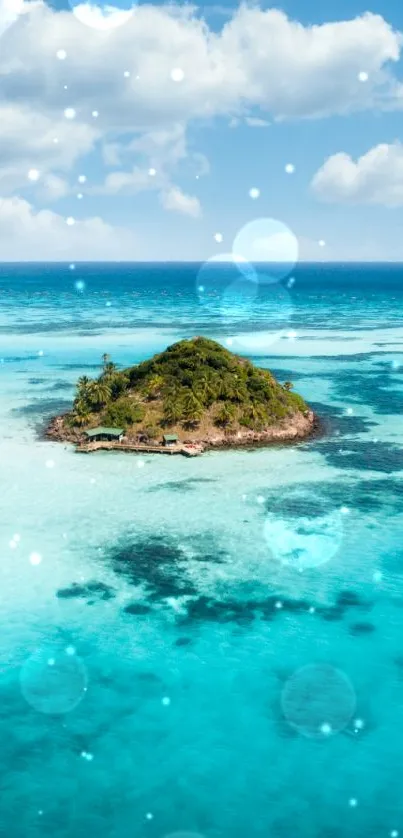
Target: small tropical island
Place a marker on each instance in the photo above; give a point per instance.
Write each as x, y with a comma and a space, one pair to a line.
194, 396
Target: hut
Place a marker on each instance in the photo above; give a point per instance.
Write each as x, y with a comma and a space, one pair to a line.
170, 439
102, 434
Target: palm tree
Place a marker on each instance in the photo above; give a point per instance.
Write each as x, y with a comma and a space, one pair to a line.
192, 410
82, 388
288, 386
213, 386
201, 388
109, 368
225, 414
81, 419
99, 393
225, 388
81, 414
153, 386
255, 416
172, 410
238, 391
117, 382
105, 359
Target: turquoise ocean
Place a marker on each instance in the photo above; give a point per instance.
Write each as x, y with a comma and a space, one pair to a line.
207, 648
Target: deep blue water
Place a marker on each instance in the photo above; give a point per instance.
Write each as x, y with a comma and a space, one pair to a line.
208, 648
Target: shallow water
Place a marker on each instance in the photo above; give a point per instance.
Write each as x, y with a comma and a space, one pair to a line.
208, 647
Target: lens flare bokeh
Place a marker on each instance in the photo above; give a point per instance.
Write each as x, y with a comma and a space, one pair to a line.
318, 701
102, 15
53, 681
303, 529
270, 246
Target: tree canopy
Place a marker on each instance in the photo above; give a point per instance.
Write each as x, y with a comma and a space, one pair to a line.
192, 382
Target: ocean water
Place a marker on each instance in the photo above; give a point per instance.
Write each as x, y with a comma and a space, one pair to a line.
208, 648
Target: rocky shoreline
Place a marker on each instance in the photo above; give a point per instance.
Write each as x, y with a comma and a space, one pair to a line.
296, 428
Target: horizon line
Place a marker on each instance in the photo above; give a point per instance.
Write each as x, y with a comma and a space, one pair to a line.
322, 263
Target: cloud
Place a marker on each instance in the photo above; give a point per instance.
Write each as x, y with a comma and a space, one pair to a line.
376, 177
174, 199
159, 153
45, 236
125, 183
256, 122
34, 139
10, 10
259, 66
54, 187
260, 60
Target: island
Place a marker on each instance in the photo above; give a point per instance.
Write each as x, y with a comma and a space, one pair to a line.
194, 396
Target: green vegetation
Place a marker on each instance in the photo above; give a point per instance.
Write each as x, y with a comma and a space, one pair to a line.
192, 384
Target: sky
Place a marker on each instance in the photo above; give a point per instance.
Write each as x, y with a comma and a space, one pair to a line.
157, 131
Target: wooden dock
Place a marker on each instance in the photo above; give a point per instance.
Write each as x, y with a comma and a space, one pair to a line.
186, 451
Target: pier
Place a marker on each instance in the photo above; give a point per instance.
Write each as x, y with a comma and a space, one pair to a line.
139, 448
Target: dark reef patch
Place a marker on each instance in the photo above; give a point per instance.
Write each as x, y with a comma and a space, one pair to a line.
301, 503
243, 612
363, 456
365, 496
137, 609
89, 591
349, 599
62, 385
183, 641
162, 569
42, 408
16, 359
377, 390
185, 485
358, 629
58, 385
207, 609
74, 367
157, 564
336, 422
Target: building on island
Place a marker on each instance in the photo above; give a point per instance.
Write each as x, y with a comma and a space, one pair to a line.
105, 434
170, 439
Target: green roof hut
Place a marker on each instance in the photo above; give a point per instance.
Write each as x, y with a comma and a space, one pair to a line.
102, 434
170, 439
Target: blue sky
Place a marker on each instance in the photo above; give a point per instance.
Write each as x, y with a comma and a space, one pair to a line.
140, 135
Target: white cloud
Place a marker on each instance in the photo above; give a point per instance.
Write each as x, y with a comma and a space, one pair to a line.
260, 59
260, 66
54, 187
10, 10
45, 236
160, 152
174, 199
33, 139
376, 177
126, 183
256, 122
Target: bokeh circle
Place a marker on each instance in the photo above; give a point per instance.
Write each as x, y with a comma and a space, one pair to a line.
53, 680
269, 321
303, 529
101, 14
269, 246
226, 291
318, 701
